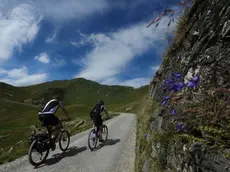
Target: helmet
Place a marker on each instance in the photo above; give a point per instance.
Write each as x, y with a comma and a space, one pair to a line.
101, 102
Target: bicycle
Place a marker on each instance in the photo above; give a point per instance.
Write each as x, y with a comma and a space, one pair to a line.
41, 143
96, 136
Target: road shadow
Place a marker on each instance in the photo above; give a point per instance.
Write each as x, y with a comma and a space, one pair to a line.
59, 156
109, 142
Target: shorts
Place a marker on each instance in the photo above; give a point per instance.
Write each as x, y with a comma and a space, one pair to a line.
96, 119
48, 119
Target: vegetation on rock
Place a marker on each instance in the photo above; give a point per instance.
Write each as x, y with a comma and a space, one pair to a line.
188, 127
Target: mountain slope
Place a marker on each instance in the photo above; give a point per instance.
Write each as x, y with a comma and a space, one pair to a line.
19, 107
76, 91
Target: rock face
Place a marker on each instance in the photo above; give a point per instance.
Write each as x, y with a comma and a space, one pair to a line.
2, 137
196, 138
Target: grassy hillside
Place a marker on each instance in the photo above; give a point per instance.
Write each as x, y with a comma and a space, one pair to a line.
76, 91
16, 120
17, 115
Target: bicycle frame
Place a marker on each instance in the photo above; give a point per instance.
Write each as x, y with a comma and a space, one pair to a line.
96, 129
50, 134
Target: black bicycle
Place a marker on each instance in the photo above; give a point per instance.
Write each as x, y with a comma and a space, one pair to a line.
41, 144
94, 136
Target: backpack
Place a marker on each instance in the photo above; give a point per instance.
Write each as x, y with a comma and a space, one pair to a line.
97, 109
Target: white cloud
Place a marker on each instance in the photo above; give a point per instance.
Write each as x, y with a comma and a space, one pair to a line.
18, 26
155, 68
71, 9
17, 73
135, 82
21, 77
54, 62
19, 19
77, 44
61, 10
52, 39
114, 51
82, 41
58, 62
43, 58
3, 71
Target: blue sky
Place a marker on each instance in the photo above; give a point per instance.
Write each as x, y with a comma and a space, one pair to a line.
102, 40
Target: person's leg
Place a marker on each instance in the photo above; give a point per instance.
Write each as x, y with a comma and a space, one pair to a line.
94, 118
100, 128
49, 129
45, 120
100, 131
56, 123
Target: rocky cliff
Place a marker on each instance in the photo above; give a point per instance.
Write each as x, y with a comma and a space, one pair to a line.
185, 125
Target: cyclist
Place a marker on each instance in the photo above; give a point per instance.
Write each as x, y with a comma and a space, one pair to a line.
48, 118
95, 115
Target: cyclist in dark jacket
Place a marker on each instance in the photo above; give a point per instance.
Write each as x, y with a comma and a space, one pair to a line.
95, 115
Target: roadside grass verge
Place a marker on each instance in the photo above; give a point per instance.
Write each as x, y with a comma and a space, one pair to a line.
16, 120
143, 134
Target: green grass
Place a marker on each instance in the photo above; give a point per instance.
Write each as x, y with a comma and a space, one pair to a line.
82, 91
18, 126
76, 91
143, 111
79, 97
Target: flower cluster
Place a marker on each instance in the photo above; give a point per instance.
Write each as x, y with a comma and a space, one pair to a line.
174, 84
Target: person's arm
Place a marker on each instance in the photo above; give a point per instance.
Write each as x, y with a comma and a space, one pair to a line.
106, 112
64, 110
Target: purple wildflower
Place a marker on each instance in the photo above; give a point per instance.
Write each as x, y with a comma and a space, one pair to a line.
169, 81
165, 100
192, 84
176, 75
163, 103
196, 78
180, 126
174, 112
171, 87
176, 87
167, 97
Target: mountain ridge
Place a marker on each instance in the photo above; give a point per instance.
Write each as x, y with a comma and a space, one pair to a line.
74, 91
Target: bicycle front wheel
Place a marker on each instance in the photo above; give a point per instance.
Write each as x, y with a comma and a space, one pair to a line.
92, 140
41, 150
64, 140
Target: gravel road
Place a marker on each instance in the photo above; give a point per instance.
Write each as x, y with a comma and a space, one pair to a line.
116, 155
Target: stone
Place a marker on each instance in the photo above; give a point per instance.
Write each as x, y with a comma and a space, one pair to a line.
79, 123
195, 33
128, 109
2, 137
29, 101
19, 143
10, 150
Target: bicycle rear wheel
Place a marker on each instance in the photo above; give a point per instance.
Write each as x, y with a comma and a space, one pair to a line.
92, 137
39, 149
64, 137
104, 132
